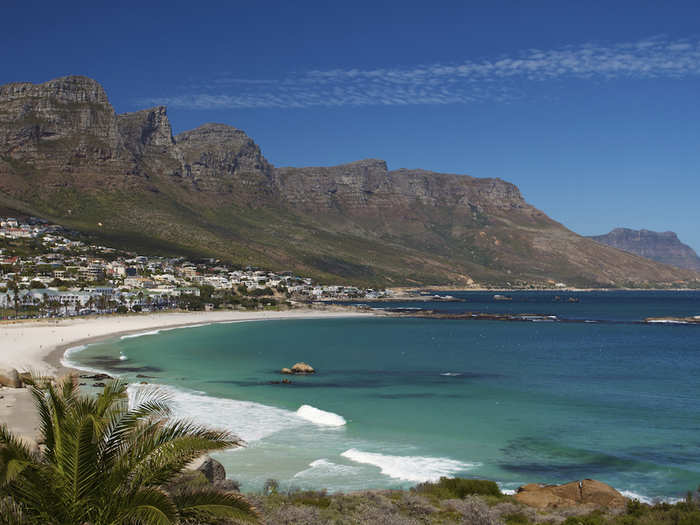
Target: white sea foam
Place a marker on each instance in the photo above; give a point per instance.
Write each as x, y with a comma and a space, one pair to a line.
649, 501
158, 331
410, 468
451, 374
122, 357
320, 417
68, 361
323, 467
141, 334
249, 421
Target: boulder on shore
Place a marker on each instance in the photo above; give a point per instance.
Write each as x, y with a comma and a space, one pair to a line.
286, 370
212, 470
10, 377
585, 492
303, 368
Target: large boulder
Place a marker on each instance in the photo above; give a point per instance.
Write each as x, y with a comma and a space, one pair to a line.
212, 470
585, 492
10, 377
303, 368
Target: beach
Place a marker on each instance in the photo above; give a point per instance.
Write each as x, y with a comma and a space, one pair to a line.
38, 345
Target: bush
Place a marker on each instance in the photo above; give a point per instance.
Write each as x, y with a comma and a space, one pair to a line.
458, 488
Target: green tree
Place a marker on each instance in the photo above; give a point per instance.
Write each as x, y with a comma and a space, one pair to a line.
106, 463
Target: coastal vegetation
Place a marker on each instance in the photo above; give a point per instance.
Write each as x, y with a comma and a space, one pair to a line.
103, 462
456, 501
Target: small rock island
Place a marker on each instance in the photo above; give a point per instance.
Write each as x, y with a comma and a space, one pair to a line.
299, 368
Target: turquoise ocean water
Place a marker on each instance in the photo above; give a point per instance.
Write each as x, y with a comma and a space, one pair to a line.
408, 400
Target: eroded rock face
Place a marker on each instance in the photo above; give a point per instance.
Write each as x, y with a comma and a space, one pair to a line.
368, 184
585, 492
59, 125
222, 158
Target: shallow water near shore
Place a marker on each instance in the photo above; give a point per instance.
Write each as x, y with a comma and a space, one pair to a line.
516, 402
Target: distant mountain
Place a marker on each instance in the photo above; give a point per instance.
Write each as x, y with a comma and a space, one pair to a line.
65, 155
664, 247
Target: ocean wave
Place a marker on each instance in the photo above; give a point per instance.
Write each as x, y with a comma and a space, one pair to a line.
323, 467
649, 501
159, 330
451, 374
248, 420
68, 361
320, 417
410, 468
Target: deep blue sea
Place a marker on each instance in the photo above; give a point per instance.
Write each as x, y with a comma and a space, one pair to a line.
397, 401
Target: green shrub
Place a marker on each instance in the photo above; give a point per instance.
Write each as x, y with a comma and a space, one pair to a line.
450, 488
517, 518
318, 499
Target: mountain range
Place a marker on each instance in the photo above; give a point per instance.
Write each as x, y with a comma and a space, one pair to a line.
664, 247
67, 156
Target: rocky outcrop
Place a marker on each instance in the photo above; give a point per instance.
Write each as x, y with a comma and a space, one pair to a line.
212, 470
585, 492
368, 184
10, 377
664, 247
221, 158
299, 368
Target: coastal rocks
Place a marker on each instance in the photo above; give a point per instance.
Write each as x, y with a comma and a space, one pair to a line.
585, 492
96, 377
212, 470
10, 377
299, 368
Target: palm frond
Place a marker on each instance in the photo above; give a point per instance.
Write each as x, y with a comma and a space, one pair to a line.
12, 513
215, 504
15, 456
149, 506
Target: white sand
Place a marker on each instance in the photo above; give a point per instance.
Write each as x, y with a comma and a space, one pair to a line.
25, 345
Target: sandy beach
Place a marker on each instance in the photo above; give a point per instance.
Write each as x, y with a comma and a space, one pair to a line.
38, 346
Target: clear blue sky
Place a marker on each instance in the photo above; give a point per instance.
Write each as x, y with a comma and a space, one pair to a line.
591, 108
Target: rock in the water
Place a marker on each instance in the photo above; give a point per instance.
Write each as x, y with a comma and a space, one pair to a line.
286, 370
213, 470
10, 377
586, 492
303, 368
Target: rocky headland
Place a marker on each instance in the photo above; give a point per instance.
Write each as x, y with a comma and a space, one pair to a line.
663, 247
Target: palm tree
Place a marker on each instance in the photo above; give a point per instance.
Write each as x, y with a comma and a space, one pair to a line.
105, 463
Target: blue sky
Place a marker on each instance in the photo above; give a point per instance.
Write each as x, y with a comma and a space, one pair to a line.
591, 108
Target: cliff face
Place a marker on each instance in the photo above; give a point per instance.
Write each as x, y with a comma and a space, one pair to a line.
664, 247
66, 155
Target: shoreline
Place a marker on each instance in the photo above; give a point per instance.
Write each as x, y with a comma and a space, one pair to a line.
39, 345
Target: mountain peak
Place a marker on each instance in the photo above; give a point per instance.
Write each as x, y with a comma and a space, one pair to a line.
68, 89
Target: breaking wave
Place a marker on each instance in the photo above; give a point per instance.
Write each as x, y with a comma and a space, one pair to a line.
320, 417
410, 468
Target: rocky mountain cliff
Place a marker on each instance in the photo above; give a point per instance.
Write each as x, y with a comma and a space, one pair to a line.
67, 156
664, 247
